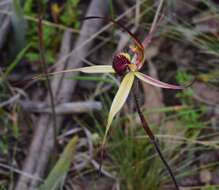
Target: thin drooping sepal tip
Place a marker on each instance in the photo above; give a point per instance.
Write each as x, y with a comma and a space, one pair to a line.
89, 69
103, 144
157, 83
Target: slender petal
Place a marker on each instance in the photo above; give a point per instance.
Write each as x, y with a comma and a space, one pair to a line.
119, 99
152, 81
89, 69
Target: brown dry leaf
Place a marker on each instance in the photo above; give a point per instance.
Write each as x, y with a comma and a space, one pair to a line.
87, 184
183, 8
153, 97
205, 176
206, 22
153, 50
206, 93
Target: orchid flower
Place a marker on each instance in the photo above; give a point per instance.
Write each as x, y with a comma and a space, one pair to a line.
126, 66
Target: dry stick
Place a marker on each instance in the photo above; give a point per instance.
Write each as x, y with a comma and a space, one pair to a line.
62, 88
42, 143
60, 109
153, 139
45, 71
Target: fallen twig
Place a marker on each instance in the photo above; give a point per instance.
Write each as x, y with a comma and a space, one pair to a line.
60, 109
62, 89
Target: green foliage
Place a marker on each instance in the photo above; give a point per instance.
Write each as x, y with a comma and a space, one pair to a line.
4, 146
186, 95
71, 13
51, 41
210, 187
133, 159
28, 7
190, 116
2, 187
129, 158
52, 37
19, 26
61, 168
12, 66
112, 11
10, 130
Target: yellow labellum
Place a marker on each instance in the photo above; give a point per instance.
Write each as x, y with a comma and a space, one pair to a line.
132, 67
119, 99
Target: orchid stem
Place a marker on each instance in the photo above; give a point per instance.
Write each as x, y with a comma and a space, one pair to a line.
153, 139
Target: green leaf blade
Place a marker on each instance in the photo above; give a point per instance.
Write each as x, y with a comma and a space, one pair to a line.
61, 168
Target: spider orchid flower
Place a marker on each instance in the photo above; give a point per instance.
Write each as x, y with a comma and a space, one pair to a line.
126, 66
